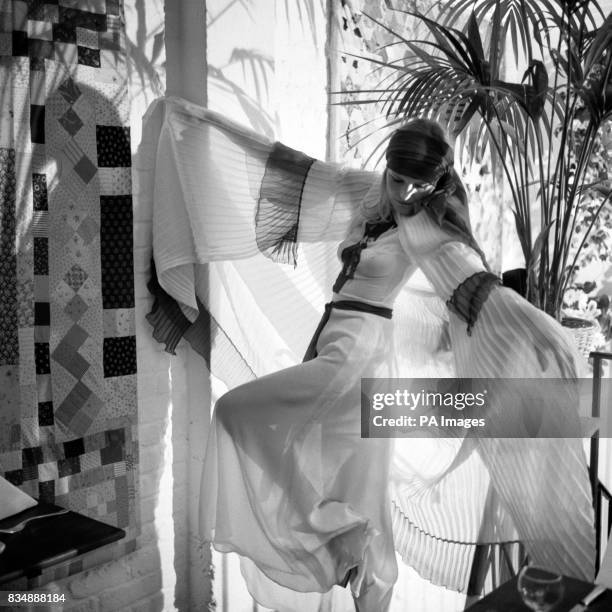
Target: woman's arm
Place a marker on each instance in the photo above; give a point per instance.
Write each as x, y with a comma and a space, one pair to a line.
301, 199
244, 194
219, 191
460, 277
444, 259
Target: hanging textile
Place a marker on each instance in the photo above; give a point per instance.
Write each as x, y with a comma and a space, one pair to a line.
68, 349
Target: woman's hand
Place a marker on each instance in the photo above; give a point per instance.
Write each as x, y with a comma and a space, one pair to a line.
554, 354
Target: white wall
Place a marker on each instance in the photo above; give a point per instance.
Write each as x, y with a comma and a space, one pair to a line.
268, 71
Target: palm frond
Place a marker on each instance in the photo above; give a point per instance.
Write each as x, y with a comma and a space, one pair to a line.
526, 129
521, 17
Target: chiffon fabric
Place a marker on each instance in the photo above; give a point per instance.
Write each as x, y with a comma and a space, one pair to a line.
296, 489
288, 483
542, 484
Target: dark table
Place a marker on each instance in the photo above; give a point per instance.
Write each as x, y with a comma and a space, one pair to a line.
47, 541
506, 598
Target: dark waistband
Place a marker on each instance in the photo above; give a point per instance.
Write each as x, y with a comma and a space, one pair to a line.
311, 351
380, 311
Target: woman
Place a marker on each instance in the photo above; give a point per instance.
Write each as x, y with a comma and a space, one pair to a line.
288, 482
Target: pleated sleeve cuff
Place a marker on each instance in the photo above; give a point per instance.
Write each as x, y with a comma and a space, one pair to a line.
331, 199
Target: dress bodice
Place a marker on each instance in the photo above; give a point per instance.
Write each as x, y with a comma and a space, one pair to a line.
382, 268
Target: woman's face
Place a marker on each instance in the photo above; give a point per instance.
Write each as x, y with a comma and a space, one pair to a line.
404, 192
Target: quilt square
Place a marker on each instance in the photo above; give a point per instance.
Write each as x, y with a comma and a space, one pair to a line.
10, 461
85, 169
93, 6
116, 248
88, 230
20, 44
118, 322
46, 491
70, 360
9, 347
20, 15
51, 12
73, 402
40, 29
83, 19
37, 65
82, 420
70, 91
66, 53
68, 466
36, 10
71, 122
39, 186
111, 454
6, 43
32, 456
64, 33
48, 471
110, 40
6, 19
42, 313
37, 123
90, 461
38, 95
112, 7
40, 49
30, 431
113, 146
43, 365
75, 447
43, 388
75, 277
119, 356
40, 224
42, 333
76, 308
41, 256
75, 337
83, 108
30, 472
41, 288
88, 56
115, 181
45, 414
88, 38
114, 437
15, 477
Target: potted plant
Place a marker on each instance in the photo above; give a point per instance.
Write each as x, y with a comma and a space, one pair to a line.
587, 313
542, 129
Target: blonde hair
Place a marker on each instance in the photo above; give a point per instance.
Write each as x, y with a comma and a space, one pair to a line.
378, 209
432, 136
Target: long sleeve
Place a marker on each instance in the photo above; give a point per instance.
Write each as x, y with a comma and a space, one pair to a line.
222, 192
542, 484
444, 260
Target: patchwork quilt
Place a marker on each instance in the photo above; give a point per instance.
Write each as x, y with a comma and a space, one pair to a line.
67, 339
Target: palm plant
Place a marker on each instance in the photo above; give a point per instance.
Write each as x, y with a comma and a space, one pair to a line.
540, 129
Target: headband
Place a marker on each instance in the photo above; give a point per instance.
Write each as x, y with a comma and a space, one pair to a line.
412, 153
